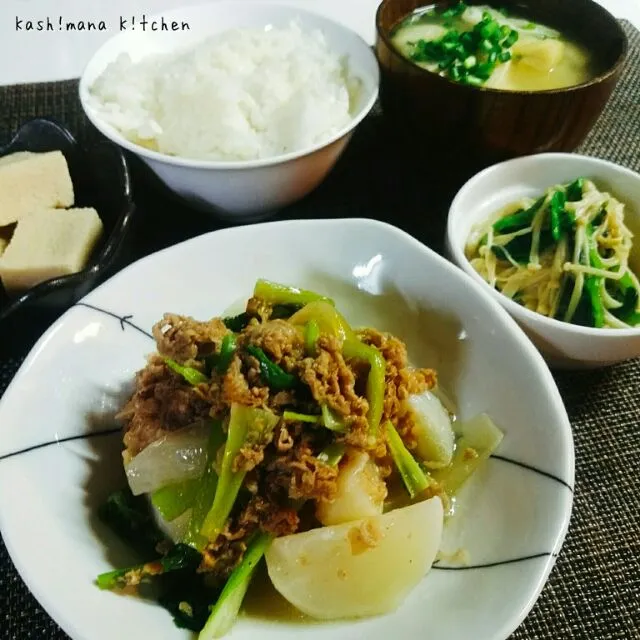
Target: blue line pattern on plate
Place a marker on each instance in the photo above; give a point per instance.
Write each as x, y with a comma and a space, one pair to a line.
529, 467
124, 320
42, 445
488, 565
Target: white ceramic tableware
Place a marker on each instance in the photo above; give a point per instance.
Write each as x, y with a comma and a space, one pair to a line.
244, 190
511, 517
564, 345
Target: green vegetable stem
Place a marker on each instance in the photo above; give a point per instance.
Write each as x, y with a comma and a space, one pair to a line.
173, 500
311, 335
575, 190
556, 211
226, 609
247, 426
191, 375
353, 348
206, 492
414, 478
293, 416
282, 294
331, 420
321, 318
519, 220
221, 361
332, 454
181, 556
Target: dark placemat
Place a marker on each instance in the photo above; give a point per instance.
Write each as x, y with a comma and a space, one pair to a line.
594, 590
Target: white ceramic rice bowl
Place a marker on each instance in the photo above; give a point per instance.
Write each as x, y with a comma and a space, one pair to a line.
243, 190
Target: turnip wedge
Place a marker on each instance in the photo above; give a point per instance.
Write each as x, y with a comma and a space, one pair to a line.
357, 569
435, 437
177, 457
479, 438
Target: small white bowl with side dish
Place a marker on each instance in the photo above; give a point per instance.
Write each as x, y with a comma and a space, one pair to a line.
563, 345
247, 189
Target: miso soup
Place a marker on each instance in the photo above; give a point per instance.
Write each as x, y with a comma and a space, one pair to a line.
482, 46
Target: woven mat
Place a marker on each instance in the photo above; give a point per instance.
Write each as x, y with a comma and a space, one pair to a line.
594, 589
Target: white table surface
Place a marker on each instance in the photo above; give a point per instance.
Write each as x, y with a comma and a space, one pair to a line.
36, 56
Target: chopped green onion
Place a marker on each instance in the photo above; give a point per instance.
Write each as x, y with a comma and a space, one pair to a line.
511, 39
483, 70
454, 11
489, 29
487, 45
474, 80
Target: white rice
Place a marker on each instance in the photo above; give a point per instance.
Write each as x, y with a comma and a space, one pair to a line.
244, 94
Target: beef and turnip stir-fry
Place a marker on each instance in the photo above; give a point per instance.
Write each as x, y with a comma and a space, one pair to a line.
285, 433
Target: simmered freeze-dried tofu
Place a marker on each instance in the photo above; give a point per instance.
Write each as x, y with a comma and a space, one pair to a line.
31, 182
48, 244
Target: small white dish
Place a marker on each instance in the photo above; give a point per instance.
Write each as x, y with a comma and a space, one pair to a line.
513, 515
244, 190
562, 344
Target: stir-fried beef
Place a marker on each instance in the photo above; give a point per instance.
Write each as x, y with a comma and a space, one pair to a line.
283, 470
281, 341
183, 338
401, 381
331, 380
162, 403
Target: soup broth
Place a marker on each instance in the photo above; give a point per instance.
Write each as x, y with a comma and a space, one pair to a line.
482, 46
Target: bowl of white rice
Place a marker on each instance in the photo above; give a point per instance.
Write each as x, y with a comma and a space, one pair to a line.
243, 112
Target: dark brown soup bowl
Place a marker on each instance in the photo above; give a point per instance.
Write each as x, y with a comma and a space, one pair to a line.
481, 125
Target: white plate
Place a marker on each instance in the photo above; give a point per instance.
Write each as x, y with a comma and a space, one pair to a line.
514, 514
